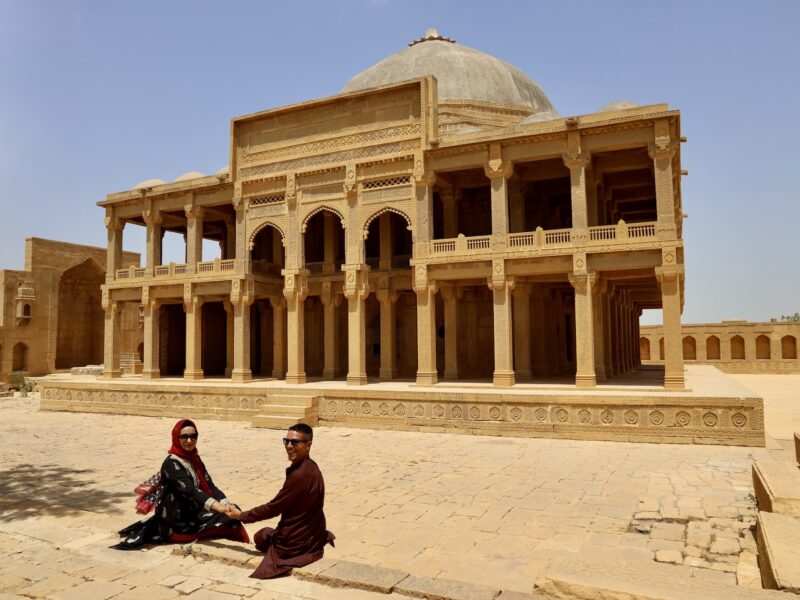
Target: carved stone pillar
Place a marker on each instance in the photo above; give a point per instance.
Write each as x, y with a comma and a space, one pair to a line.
329, 250
194, 236
295, 291
450, 296
242, 252
387, 299
153, 220
228, 337
152, 342
522, 331
423, 188
449, 200
278, 336
577, 161
502, 287
242, 297
608, 332
583, 281
669, 276
662, 151
114, 230
387, 245
193, 307
425, 289
264, 340
598, 330
111, 338
330, 302
499, 171
356, 290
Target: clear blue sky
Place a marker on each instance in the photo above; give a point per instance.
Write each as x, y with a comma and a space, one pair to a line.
96, 96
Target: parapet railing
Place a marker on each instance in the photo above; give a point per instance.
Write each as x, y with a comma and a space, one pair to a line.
210, 267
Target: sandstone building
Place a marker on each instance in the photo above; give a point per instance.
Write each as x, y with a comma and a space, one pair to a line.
436, 221
51, 316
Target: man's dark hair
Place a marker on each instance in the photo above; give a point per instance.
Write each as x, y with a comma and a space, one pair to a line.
304, 429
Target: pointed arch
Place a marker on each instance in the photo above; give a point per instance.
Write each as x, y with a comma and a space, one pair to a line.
378, 213
320, 209
261, 226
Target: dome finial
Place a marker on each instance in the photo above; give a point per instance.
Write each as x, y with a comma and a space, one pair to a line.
430, 35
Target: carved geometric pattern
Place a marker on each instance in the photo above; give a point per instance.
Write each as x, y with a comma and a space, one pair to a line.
383, 183
349, 408
562, 415
607, 417
457, 412
738, 420
400, 410
332, 406
584, 416
682, 419
366, 408
419, 410
267, 199
438, 410
631, 417
474, 412
709, 419
494, 412
657, 417
383, 408
516, 413
539, 413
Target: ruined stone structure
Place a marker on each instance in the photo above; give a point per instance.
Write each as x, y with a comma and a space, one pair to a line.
731, 346
51, 316
437, 221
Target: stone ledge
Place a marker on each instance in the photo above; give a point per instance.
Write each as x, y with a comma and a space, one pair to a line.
360, 576
444, 589
797, 447
777, 487
591, 580
778, 552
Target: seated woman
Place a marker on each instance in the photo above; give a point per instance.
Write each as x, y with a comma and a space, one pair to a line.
191, 506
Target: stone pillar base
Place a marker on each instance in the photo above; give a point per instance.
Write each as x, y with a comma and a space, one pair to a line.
427, 378
241, 375
151, 374
585, 381
112, 374
674, 382
295, 378
328, 374
193, 375
386, 374
503, 378
358, 379
453, 375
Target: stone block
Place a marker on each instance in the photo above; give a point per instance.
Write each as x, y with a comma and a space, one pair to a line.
778, 551
674, 532
97, 590
747, 573
777, 487
365, 577
311, 571
444, 589
669, 556
725, 546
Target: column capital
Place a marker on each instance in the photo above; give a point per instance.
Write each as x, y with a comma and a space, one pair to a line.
277, 302
150, 214
329, 296
295, 284
114, 223
193, 211
661, 149
451, 291
507, 283
580, 159
423, 178
387, 296
582, 281
356, 282
497, 168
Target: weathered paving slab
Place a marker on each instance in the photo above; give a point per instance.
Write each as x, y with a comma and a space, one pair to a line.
361, 576
779, 552
777, 486
444, 589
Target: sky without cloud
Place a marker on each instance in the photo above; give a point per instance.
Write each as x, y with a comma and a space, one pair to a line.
97, 96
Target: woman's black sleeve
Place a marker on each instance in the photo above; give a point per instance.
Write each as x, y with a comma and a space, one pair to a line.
179, 480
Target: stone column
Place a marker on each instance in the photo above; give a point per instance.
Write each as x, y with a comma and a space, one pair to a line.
448, 197
578, 161
386, 248
608, 361
264, 337
152, 342
153, 220
242, 252
499, 171
330, 302
450, 296
522, 331
356, 290
193, 306
241, 339
422, 233
278, 334
228, 337
295, 291
583, 282
387, 299
329, 249
749, 345
502, 289
194, 236
426, 335
669, 275
114, 229
598, 329
662, 151
111, 338
539, 343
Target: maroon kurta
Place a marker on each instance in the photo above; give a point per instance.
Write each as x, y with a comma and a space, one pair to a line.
301, 535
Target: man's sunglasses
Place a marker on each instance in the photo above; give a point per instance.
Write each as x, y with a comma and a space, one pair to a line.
293, 442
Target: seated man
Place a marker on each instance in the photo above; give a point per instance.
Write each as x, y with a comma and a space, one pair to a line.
301, 535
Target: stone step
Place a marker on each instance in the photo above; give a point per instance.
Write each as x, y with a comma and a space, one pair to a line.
586, 579
778, 551
777, 486
270, 421
289, 410
293, 400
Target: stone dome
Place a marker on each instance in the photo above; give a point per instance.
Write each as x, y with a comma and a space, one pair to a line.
148, 183
189, 175
226, 170
618, 105
462, 73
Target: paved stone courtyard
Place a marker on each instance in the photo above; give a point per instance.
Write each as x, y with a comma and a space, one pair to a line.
468, 508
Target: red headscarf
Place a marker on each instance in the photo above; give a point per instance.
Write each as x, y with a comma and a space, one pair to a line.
193, 457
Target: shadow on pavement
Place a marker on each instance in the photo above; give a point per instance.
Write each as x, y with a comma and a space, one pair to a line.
35, 490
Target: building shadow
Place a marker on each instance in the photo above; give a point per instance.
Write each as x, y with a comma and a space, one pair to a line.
51, 490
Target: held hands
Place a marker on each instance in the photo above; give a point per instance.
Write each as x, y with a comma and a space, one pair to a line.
233, 512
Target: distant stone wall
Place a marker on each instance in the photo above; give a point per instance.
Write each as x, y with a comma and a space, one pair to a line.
731, 346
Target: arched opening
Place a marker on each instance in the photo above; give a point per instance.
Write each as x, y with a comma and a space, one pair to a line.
462, 204
737, 348
763, 351
788, 347
26, 311
661, 348
267, 255
644, 348
689, 348
19, 358
388, 242
172, 339
323, 243
712, 347
81, 323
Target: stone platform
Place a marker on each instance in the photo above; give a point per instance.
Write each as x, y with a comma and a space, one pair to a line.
714, 409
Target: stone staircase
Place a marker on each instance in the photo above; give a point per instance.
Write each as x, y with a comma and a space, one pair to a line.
777, 489
283, 411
